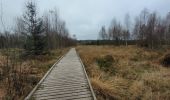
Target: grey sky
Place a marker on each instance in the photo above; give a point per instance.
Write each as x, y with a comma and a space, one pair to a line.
85, 17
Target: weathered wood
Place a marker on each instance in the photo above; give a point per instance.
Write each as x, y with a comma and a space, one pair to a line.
78, 97
67, 80
59, 91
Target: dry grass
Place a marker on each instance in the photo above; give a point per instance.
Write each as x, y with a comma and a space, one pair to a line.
28, 74
137, 73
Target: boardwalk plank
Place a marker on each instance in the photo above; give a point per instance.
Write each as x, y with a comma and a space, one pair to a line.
61, 90
66, 81
65, 97
65, 93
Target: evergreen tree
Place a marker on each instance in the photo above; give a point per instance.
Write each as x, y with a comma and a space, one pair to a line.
33, 30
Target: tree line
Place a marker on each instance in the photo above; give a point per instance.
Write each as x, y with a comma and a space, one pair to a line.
148, 30
32, 37
37, 34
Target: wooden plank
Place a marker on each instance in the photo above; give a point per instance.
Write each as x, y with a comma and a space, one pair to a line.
60, 93
35, 88
63, 84
40, 92
67, 80
65, 96
60, 87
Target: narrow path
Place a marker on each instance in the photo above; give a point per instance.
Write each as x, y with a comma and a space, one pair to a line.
67, 80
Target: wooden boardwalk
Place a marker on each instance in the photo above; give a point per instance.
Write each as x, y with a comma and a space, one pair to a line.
66, 80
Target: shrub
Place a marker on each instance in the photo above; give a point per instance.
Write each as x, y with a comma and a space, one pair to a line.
105, 62
166, 60
32, 79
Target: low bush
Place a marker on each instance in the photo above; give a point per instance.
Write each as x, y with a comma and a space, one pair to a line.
32, 79
165, 61
105, 62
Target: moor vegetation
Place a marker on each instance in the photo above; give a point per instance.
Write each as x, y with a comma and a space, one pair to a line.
127, 73
18, 75
133, 63
27, 52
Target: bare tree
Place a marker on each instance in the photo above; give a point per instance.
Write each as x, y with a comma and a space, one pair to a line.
126, 33
150, 29
115, 31
56, 31
1, 17
136, 28
151, 37
103, 34
167, 29
48, 30
143, 19
160, 31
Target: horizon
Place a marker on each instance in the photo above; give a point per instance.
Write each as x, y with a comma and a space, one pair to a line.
83, 18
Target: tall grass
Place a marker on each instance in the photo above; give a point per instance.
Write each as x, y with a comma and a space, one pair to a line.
19, 75
138, 73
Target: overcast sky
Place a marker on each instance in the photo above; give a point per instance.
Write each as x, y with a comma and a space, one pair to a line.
85, 17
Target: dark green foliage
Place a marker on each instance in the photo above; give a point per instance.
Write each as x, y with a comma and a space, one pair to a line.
35, 39
105, 62
32, 79
166, 60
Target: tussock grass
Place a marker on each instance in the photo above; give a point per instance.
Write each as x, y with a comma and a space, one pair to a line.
138, 73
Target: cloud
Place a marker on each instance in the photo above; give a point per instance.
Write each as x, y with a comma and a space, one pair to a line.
85, 17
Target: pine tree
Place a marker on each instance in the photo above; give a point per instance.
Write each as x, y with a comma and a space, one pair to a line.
33, 30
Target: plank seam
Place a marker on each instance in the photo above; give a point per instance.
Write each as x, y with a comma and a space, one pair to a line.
94, 97
39, 83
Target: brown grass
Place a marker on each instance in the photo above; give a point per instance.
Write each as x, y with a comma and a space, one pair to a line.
138, 73
29, 71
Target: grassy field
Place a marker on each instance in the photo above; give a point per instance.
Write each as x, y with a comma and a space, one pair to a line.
124, 73
20, 80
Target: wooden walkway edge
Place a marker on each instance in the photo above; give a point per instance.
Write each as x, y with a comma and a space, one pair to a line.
66, 80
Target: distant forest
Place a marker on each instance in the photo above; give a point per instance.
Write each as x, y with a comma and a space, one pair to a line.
149, 30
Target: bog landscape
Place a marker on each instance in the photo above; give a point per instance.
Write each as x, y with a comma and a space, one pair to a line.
69, 52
